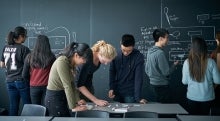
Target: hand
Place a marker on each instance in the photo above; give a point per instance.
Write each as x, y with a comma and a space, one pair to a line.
111, 94
81, 102
79, 108
101, 102
143, 101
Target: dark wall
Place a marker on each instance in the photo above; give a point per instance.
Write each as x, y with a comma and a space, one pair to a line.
65, 21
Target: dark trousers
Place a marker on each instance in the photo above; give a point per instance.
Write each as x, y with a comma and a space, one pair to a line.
199, 108
162, 93
16, 90
37, 94
56, 103
124, 99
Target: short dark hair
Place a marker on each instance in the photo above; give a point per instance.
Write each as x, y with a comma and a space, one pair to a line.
159, 33
128, 40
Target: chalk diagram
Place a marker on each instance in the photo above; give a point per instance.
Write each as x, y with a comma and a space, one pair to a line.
59, 36
180, 36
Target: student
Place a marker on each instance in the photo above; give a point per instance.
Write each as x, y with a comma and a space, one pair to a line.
37, 67
216, 56
157, 67
126, 73
61, 95
199, 73
216, 53
12, 59
103, 53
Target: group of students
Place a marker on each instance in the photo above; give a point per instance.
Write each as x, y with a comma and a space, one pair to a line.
64, 83
200, 73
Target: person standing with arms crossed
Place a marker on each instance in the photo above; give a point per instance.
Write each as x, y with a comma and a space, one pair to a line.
157, 67
37, 68
126, 73
12, 59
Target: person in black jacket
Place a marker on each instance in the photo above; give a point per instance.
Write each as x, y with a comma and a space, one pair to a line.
126, 73
12, 59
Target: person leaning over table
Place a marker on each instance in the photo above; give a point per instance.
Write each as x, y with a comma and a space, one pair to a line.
102, 53
61, 95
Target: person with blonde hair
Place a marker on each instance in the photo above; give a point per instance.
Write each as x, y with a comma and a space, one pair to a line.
103, 53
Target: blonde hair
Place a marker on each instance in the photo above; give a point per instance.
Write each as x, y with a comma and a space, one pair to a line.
104, 49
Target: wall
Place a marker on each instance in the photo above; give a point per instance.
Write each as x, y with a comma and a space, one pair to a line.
65, 21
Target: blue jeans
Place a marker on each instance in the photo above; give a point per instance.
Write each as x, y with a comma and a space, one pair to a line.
16, 90
125, 99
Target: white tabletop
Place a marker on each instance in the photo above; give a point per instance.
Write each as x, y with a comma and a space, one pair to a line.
24, 118
198, 118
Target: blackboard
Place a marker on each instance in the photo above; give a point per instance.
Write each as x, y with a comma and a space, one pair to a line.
65, 21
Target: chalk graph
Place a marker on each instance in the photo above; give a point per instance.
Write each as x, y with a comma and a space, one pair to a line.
180, 36
59, 37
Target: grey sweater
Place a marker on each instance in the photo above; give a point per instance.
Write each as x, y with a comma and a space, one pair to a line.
157, 66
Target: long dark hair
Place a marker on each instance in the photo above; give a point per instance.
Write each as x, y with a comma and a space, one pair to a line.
13, 35
41, 56
198, 57
82, 49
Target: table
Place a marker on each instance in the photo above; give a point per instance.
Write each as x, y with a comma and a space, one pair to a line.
24, 118
154, 107
198, 118
112, 119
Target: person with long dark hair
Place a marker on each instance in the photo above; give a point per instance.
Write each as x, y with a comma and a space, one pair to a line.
61, 95
199, 73
37, 67
12, 59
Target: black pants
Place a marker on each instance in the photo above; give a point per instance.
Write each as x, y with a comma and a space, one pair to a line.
38, 94
162, 93
199, 108
56, 103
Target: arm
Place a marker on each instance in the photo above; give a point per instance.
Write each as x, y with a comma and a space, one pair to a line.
83, 80
26, 69
215, 72
164, 65
218, 61
139, 71
112, 79
2, 64
90, 96
185, 73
